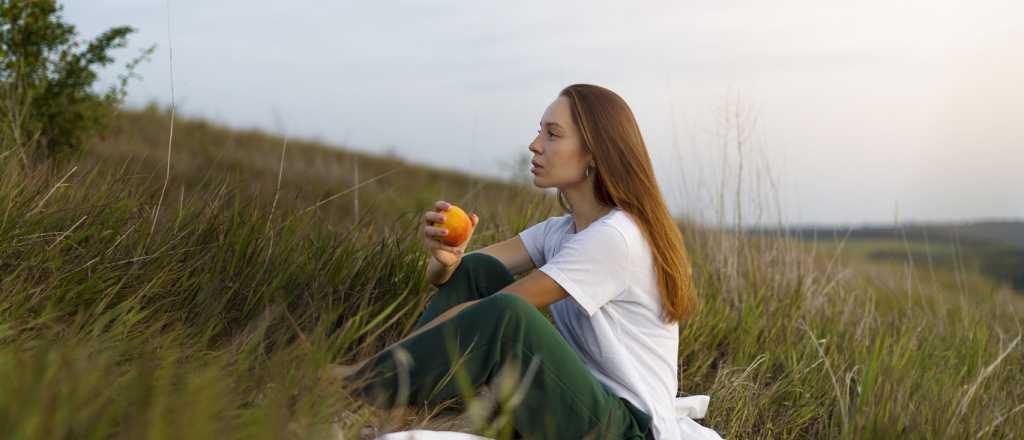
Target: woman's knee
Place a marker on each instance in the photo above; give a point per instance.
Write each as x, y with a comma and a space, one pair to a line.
488, 268
484, 261
510, 305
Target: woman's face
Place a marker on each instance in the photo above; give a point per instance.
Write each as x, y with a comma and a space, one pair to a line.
558, 149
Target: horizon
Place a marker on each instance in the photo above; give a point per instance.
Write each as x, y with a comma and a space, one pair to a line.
908, 120
727, 224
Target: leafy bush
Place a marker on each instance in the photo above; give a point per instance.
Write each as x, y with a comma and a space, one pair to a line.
47, 77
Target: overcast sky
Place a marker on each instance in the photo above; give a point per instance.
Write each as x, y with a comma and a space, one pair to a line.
860, 112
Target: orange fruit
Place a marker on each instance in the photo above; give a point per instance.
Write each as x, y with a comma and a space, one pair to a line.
458, 225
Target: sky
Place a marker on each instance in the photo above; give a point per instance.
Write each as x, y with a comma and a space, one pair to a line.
848, 113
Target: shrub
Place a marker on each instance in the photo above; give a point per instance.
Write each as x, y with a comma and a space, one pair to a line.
47, 77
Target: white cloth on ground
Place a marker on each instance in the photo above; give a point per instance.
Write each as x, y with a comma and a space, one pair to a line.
687, 408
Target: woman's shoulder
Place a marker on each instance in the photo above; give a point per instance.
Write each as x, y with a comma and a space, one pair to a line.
547, 227
631, 231
559, 220
554, 219
623, 221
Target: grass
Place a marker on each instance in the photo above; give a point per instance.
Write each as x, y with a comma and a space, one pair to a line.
215, 324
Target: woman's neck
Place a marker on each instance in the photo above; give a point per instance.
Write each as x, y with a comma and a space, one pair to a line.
585, 207
587, 214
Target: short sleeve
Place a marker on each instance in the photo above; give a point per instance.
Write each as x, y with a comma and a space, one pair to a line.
533, 239
592, 266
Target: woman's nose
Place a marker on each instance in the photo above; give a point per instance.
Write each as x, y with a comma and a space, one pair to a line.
534, 146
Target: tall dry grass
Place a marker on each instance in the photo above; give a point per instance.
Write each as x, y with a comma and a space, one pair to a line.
256, 275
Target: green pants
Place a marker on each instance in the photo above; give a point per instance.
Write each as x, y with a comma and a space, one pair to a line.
558, 397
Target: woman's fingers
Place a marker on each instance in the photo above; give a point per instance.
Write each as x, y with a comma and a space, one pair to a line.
435, 231
432, 243
445, 254
433, 216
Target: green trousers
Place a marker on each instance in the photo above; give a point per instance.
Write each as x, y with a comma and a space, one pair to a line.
555, 397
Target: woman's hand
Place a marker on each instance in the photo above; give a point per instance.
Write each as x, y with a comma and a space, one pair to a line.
444, 254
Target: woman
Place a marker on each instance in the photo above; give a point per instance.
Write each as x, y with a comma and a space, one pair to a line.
613, 271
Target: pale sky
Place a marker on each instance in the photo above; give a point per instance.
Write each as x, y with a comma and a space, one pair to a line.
866, 112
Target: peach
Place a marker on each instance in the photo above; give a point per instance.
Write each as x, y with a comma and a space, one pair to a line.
458, 225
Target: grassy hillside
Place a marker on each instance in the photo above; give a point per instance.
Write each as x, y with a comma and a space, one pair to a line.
991, 248
309, 173
204, 307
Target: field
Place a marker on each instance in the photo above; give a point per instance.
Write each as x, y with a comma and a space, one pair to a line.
992, 249
200, 300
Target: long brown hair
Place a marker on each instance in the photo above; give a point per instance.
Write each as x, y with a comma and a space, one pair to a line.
625, 179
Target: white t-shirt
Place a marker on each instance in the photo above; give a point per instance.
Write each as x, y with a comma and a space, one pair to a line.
611, 317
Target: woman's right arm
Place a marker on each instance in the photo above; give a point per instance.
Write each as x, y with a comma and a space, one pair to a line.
445, 259
511, 252
438, 274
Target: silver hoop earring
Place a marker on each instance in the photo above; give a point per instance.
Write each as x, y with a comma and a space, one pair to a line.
586, 172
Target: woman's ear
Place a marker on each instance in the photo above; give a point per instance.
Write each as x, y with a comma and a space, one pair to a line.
589, 155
